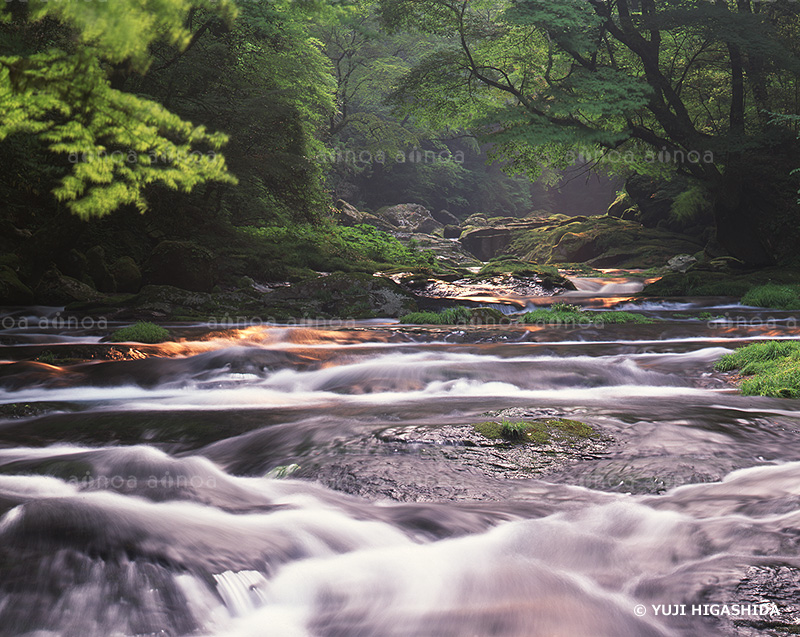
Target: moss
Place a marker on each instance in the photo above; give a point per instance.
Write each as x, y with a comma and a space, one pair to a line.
602, 241
771, 368
450, 316
12, 290
561, 314
535, 431
141, 332
779, 297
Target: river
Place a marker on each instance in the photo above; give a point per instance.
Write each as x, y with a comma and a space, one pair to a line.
326, 480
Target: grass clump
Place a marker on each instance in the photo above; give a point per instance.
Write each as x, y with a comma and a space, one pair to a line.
450, 316
779, 297
537, 431
141, 332
772, 368
563, 314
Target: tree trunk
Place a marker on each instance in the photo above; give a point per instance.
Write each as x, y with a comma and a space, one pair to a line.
738, 211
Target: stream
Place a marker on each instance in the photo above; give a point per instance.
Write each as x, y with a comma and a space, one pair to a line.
327, 480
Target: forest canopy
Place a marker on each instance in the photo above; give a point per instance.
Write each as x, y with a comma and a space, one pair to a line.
266, 113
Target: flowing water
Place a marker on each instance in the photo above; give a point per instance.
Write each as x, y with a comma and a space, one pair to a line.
327, 481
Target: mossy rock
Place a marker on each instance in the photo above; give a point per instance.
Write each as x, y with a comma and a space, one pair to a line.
535, 431
127, 275
12, 290
599, 241
141, 332
353, 295
55, 288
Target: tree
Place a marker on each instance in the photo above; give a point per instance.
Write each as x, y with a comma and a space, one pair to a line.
57, 71
684, 83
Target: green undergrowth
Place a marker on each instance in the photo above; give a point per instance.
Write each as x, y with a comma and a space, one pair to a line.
141, 332
779, 297
329, 247
563, 314
537, 431
450, 316
771, 368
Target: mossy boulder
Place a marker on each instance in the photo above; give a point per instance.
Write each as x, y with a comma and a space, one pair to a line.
127, 275
55, 288
599, 241
12, 290
343, 295
181, 264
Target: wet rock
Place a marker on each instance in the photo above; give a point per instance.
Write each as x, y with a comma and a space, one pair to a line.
451, 232
181, 264
127, 275
55, 288
12, 290
681, 263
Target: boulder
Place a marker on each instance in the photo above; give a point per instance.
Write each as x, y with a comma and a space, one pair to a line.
599, 241
127, 275
12, 290
55, 288
354, 295
451, 232
486, 243
410, 217
181, 264
348, 215
681, 262
446, 218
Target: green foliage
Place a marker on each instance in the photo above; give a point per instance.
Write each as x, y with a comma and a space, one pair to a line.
141, 332
117, 143
449, 316
690, 204
772, 368
563, 314
47, 357
779, 297
331, 247
535, 431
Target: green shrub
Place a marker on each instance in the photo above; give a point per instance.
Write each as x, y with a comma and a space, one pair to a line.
141, 332
772, 368
562, 314
779, 297
330, 247
450, 316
